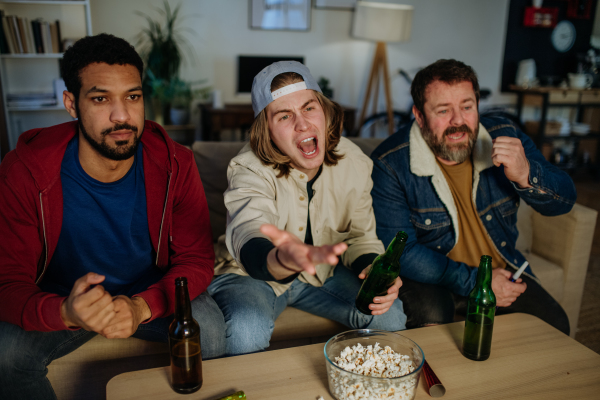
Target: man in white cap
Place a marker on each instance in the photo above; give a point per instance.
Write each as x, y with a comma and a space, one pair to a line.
301, 228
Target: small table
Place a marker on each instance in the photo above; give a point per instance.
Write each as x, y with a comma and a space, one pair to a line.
529, 360
241, 116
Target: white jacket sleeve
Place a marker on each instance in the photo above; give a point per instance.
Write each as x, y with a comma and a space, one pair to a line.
250, 200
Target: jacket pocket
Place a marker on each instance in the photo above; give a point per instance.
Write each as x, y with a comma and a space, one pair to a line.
506, 209
334, 236
430, 224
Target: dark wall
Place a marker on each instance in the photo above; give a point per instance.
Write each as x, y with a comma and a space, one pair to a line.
532, 42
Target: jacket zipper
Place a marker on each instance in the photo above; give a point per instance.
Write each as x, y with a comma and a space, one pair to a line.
162, 221
45, 240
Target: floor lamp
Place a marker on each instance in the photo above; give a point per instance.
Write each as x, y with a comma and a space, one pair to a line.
381, 22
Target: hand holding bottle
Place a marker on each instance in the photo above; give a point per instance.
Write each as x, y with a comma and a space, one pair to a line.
506, 291
381, 304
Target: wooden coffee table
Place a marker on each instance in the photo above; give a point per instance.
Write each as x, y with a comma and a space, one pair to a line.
530, 360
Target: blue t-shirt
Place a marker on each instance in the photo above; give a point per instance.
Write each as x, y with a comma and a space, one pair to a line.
104, 230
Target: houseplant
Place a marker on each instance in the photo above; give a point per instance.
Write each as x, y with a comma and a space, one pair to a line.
161, 45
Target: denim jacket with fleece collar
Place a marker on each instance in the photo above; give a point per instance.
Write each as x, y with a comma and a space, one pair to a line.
410, 193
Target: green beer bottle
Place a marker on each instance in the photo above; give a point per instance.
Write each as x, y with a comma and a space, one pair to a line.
384, 271
184, 343
481, 307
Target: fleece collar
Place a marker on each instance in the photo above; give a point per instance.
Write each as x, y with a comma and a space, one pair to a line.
423, 163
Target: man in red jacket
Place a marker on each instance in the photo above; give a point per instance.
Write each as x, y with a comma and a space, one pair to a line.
99, 216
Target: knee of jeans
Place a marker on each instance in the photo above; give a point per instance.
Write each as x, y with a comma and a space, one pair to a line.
15, 359
393, 320
248, 332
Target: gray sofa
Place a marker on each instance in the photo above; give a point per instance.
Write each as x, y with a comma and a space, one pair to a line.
558, 249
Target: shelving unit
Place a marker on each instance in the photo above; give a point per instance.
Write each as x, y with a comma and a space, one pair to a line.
21, 73
550, 97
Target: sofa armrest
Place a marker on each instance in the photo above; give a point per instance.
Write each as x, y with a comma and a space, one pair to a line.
566, 241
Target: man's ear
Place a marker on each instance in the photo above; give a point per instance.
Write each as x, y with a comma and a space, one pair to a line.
69, 102
419, 117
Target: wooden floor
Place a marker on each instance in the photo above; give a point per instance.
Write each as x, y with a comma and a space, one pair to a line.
588, 332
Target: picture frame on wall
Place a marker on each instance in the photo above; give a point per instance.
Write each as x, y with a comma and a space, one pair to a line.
336, 4
280, 15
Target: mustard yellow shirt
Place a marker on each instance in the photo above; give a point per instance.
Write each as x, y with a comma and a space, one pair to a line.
473, 240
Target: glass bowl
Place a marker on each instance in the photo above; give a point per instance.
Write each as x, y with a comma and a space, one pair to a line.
345, 385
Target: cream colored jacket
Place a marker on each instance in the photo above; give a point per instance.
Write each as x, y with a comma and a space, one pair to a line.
340, 210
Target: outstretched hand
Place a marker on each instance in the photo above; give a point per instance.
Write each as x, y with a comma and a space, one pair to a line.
509, 151
381, 304
294, 256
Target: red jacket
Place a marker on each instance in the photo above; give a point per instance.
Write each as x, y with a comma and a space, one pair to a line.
31, 218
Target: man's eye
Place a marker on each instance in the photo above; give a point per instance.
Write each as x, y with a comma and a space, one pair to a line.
468, 107
98, 99
309, 108
135, 96
443, 111
284, 117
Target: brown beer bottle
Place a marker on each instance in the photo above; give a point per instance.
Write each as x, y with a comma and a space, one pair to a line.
184, 344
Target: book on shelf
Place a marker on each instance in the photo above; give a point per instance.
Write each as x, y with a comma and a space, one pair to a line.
3, 43
21, 32
14, 27
54, 38
24, 36
37, 36
30, 39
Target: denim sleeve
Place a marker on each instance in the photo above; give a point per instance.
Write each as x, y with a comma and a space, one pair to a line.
254, 259
418, 262
553, 192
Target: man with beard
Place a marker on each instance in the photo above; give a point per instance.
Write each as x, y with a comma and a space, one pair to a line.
453, 182
99, 216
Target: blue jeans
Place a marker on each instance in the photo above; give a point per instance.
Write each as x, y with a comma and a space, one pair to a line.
250, 307
431, 304
25, 355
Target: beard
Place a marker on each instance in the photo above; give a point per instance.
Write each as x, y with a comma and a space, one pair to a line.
122, 151
451, 152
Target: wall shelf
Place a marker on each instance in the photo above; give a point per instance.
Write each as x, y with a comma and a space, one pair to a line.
35, 72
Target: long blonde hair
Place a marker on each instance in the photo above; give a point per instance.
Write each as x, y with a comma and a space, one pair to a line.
269, 153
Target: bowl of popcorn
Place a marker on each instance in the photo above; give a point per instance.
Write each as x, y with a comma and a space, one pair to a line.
369, 364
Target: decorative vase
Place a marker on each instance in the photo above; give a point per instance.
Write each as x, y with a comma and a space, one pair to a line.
179, 116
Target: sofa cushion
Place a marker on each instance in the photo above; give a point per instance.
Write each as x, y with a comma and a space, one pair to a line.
550, 275
525, 228
212, 159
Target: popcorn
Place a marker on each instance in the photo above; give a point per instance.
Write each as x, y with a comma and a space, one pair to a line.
372, 361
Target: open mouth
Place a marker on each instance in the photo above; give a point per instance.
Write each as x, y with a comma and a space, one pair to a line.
456, 135
308, 146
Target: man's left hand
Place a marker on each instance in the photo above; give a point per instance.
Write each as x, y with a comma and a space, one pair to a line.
508, 151
381, 304
129, 314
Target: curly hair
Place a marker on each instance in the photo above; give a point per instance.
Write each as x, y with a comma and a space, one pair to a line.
269, 153
102, 48
447, 71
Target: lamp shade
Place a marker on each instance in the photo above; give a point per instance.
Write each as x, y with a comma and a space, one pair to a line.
382, 22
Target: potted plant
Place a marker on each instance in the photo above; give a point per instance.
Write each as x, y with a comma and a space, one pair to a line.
161, 46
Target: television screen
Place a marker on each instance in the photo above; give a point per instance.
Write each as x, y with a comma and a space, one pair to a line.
249, 66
